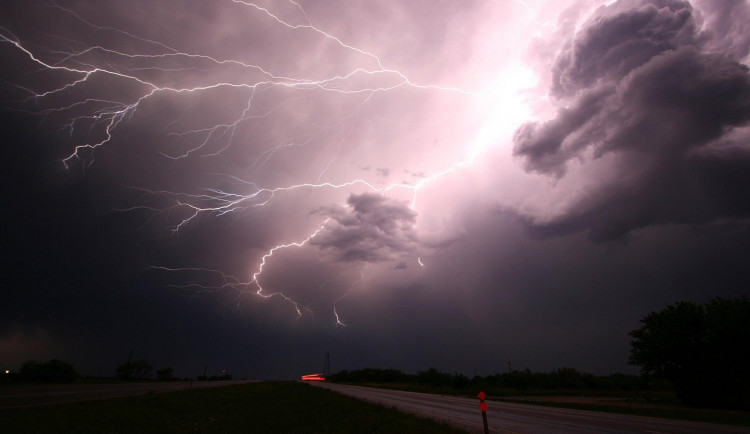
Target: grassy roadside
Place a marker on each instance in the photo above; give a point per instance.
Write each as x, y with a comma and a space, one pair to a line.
271, 407
726, 417
637, 403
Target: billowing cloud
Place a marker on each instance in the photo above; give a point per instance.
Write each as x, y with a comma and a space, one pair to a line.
642, 95
619, 39
372, 228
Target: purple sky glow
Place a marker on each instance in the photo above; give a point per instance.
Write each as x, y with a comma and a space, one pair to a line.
403, 184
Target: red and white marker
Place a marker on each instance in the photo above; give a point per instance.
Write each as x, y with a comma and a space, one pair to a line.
483, 407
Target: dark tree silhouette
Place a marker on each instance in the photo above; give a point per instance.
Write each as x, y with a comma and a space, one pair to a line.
54, 371
703, 349
165, 374
137, 369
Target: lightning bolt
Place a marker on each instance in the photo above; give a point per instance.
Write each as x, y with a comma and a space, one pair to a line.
255, 280
104, 116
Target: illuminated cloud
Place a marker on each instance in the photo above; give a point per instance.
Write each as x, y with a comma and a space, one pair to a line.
372, 228
620, 38
643, 95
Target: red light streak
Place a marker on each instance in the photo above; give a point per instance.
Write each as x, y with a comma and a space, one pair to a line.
313, 377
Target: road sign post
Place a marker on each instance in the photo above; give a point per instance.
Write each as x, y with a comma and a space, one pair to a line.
483, 407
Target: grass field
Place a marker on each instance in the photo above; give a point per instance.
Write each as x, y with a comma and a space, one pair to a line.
268, 407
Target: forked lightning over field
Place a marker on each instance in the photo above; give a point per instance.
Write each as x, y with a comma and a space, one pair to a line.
245, 185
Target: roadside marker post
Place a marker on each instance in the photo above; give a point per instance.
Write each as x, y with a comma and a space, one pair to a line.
483, 407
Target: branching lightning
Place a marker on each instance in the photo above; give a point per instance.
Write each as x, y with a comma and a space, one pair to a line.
105, 115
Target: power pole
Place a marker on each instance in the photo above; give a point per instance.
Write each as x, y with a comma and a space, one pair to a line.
327, 366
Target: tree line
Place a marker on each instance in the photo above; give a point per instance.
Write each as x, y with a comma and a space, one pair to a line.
59, 371
559, 380
52, 371
701, 352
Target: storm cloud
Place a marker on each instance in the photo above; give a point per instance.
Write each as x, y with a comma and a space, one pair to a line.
644, 95
372, 228
403, 184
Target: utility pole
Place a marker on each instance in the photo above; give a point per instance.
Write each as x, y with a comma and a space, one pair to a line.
327, 366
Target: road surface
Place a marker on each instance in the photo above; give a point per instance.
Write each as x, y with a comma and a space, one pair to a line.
31, 396
520, 418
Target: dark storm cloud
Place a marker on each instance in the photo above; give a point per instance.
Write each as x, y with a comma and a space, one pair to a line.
644, 90
548, 146
372, 228
616, 42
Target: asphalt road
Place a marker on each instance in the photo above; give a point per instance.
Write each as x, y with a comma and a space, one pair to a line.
31, 396
519, 418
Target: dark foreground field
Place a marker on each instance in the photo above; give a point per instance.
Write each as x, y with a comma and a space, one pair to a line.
259, 407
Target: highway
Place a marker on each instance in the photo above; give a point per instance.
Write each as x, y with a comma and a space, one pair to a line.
32, 396
520, 418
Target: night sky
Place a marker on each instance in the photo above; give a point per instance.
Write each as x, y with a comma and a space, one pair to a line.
402, 184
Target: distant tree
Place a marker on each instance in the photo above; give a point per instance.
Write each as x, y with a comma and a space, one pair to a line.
703, 349
53, 371
460, 381
137, 369
433, 377
223, 377
165, 374
370, 376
